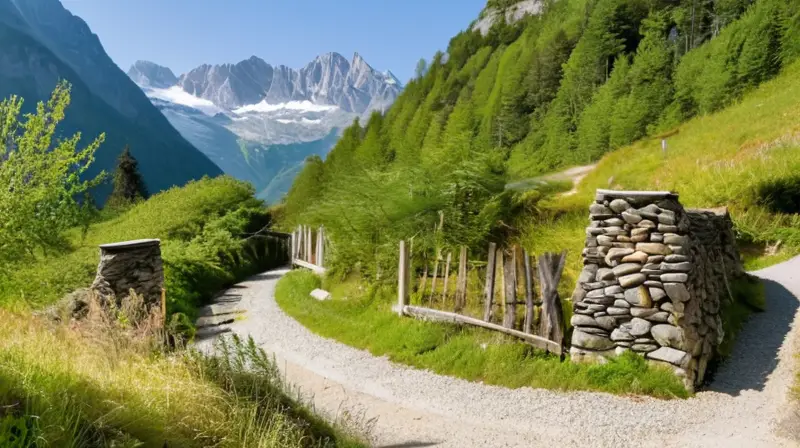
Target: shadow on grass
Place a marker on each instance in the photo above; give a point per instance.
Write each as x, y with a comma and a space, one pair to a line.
755, 352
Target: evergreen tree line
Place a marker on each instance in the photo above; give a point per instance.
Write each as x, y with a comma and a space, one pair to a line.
557, 89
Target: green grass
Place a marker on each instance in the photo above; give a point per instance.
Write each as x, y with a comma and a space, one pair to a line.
202, 227
100, 386
745, 157
362, 318
104, 383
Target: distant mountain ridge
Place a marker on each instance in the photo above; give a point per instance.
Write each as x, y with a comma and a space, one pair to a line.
259, 122
330, 79
41, 42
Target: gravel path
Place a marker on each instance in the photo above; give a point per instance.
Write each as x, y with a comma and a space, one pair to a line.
744, 406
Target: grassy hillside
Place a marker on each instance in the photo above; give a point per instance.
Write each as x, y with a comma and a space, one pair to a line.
746, 158
562, 88
109, 379
203, 229
727, 100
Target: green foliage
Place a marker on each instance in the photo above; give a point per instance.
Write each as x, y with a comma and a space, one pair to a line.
556, 89
209, 239
128, 183
421, 68
748, 163
42, 177
365, 320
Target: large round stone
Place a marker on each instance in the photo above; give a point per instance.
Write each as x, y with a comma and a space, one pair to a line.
627, 268
677, 292
579, 320
619, 205
591, 341
636, 257
653, 248
621, 335
639, 327
639, 296
669, 336
667, 354
633, 280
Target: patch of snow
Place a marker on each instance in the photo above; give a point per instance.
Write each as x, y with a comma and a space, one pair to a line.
177, 95
302, 106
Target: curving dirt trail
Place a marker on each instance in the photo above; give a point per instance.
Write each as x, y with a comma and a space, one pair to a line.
746, 405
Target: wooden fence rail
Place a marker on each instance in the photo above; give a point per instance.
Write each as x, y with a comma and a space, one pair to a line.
515, 269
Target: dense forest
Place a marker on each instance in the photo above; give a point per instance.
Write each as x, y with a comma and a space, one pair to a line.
552, 90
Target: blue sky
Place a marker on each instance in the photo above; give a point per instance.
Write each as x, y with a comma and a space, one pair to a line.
183, 34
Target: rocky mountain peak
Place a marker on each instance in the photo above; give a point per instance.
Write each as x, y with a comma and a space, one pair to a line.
329, 79
150, 74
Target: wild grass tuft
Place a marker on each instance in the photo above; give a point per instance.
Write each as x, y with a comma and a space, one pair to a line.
108, 381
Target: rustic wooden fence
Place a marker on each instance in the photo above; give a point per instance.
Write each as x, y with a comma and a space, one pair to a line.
487, 293
308, 248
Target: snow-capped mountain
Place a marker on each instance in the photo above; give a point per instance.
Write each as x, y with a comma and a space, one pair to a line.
329, 79
259, 122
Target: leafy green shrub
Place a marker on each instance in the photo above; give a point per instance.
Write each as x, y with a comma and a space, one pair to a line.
209, 238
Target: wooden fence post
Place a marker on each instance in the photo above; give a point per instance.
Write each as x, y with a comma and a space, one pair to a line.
510, 286
424, 280
488, 293
300, 243
402, 279
309, 244
528, 325
552, 318
446, 277
461, 282
320, 246
435, 274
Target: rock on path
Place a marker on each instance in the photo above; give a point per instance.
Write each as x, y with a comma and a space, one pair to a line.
744, 406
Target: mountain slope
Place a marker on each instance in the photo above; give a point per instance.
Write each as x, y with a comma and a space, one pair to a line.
557, 88
258, 122
42, 43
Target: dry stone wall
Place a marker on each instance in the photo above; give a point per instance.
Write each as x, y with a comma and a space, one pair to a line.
130, 265
655, 279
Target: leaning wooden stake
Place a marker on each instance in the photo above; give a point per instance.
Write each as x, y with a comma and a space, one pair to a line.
528, 325
435, 276
444, 316
446, 277
424, 281
510, 286
164, 306
461, 282
402, 279
488, 292
552, 317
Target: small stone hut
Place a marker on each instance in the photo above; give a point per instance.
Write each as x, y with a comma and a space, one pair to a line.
655, 279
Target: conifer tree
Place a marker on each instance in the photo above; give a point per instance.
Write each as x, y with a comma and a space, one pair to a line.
128, 183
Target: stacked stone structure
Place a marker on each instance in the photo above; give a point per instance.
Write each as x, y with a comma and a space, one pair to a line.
135, 265
655, 279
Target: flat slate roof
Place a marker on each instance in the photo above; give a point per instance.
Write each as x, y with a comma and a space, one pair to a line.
134, 244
